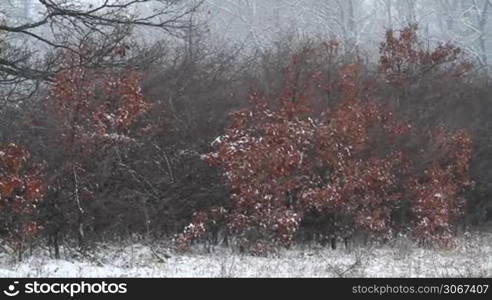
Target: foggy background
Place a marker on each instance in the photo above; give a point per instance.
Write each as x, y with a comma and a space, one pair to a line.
360, 23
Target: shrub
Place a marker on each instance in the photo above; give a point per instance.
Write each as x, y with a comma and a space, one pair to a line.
437, 193
22, 189
283, 160
94, 126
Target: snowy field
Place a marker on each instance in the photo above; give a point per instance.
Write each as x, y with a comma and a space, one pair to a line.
470, 257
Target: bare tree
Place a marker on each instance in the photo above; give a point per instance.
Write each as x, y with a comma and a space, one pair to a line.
30, 49
356, 22
252, 22
466, 22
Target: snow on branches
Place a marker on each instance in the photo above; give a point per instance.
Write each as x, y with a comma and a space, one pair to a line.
282, 159
22, 189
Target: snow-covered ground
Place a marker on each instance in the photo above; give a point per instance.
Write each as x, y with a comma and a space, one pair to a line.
470, 257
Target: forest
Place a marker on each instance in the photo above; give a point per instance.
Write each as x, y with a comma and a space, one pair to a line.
256, 125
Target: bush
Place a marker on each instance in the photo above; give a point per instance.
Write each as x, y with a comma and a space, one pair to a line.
93, 125
283, 160
22, 189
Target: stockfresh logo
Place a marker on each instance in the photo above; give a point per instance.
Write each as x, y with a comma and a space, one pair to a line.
12, 290
72, 289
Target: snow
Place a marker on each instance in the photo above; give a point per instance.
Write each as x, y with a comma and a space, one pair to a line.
470, 257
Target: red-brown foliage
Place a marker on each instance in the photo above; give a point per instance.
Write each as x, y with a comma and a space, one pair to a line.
282, 159
403, 58
22, 189
95, 112
94, 106
438, 200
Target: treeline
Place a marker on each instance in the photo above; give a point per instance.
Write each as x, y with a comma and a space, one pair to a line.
300, 141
